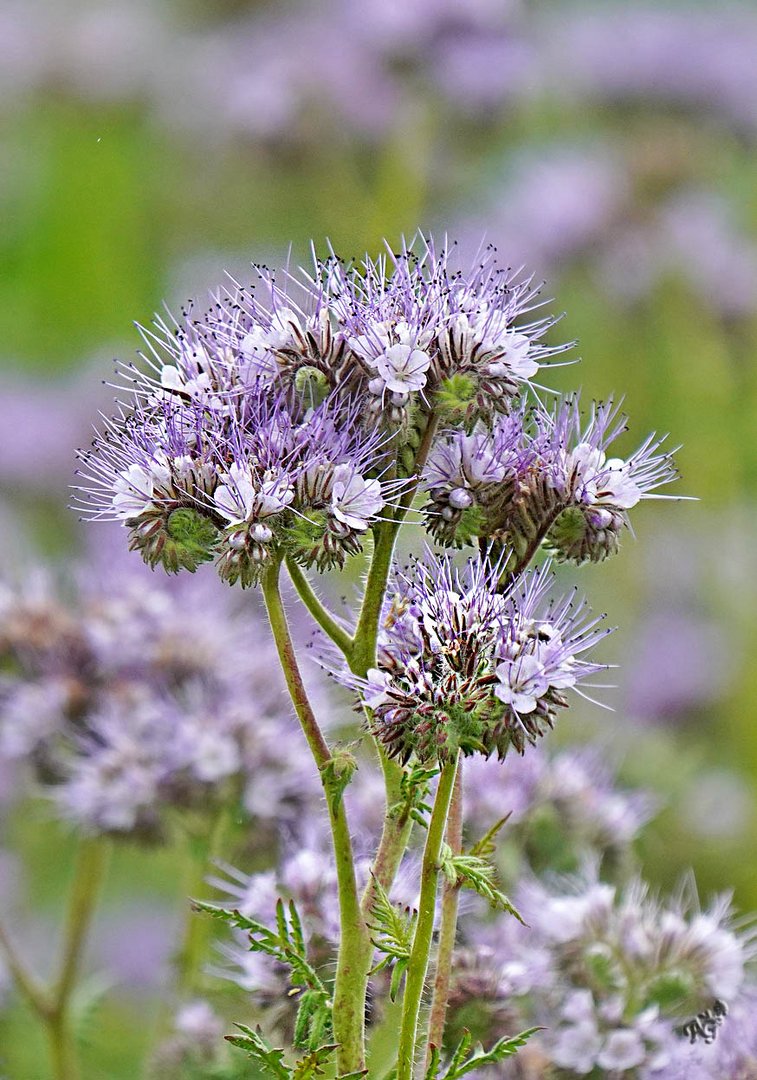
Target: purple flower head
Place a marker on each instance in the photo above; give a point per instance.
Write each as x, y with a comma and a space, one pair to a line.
464, 666
419, 323
592, 493
234, 471
625, 970
267, 424
138, 699
630, 968
540, 475
473, 478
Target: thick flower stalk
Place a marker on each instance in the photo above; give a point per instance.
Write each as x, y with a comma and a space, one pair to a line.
292, 424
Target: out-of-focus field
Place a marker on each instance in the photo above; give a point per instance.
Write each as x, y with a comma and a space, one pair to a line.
611, 147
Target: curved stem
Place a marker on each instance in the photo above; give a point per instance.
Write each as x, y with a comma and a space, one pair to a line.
89, 874
424, 927
24, 980
324, 618
355, 949
448, 927
52, 1006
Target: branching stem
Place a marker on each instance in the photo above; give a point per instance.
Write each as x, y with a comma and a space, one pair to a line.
354, 947
341, 638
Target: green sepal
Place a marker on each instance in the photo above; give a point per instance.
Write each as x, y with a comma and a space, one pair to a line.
192, 540
455, 395
270, 1059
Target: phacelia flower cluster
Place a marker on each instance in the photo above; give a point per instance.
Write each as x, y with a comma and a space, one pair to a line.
612, 973
538, 475
289, 418
465, 665
128, 703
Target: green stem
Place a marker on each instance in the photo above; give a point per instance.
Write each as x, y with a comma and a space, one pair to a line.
89, 874
424, 928
385, 536
355, 950
52, 1006
448, 926
395, 836
530, 551
25, 982
366, 633
63, 1058
324, 618
203, 850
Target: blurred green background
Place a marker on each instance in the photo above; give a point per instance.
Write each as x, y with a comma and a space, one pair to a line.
612, 148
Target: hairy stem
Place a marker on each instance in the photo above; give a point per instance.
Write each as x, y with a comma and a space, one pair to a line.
324, 618
394, 836
385, 536
366, 633
424, 928
355, 949
448, 927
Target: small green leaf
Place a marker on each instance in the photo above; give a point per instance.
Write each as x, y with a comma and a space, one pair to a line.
271, 1060
485, 847
473, 872
463, 1062
336, 775
312, 1064
394, 929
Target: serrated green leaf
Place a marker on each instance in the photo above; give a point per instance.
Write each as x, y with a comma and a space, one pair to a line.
286, 944
474, 872
312, 1064
296, 934
485, 847
268, 1058
462, 1062
434, 1059
393, 930
460, 1053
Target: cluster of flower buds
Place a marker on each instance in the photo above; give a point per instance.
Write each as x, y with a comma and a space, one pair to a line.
537, 475
467, 665
286, 418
